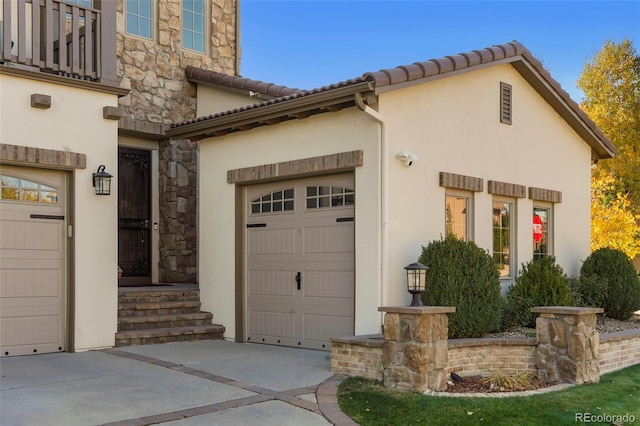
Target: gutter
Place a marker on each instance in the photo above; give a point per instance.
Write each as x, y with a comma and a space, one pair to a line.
384, 208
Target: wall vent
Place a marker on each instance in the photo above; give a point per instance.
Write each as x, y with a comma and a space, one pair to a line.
505, 103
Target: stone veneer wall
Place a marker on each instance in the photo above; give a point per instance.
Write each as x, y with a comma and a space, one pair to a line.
178, 261
154, 69
483, 357
619, 350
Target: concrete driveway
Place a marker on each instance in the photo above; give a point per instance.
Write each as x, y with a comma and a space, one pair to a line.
211, 382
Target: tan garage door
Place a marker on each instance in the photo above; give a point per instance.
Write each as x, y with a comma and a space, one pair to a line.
32, 261
300, 261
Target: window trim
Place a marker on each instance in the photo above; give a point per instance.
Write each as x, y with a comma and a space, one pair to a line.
205, 29
469, 215
151, 18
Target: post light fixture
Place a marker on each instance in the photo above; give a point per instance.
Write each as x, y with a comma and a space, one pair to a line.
102, 182
416, 281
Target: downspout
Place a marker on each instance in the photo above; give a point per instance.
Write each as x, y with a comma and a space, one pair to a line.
384, 208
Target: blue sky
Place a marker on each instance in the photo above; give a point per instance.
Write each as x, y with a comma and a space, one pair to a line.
308, 44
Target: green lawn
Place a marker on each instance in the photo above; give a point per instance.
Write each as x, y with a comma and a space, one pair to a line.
369, 403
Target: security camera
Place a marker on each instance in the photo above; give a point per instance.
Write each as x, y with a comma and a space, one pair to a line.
407, 157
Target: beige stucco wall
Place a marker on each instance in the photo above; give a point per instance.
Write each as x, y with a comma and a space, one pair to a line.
453, 126
315, 136
75, 123
212, 100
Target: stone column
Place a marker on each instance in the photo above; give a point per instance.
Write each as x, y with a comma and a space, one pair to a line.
415, 352
568, 344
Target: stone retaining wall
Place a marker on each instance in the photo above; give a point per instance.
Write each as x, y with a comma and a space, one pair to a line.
619, 350
567, 349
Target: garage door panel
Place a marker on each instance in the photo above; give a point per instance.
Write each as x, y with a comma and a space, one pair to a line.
270, 242
328, 239
32, 262
269, 323
314, 238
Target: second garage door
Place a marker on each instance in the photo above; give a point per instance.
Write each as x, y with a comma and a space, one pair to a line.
32, 261
300, 261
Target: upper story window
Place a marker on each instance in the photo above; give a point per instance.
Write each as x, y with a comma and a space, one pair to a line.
18, 189
139, 18
193, 24
83, 3
458, 215
329, 196
503, 237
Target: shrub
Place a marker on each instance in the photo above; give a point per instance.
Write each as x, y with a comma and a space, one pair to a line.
589, 291
463, 275
615, 271
540, 282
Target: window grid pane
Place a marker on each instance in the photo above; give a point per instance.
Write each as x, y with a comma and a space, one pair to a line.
502, 237
193, 24
541, 248
14, 188
139, 18
327, 196
279, 201
456, 216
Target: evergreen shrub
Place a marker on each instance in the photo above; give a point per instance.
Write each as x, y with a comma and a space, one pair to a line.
541, 282
589, 291
463, 275
615, 271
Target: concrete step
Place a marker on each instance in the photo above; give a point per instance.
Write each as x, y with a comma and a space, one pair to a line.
165, 335
157, 296
158, 308
164, 321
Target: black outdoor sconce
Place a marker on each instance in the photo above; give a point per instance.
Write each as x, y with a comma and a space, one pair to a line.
102, 182
416, 281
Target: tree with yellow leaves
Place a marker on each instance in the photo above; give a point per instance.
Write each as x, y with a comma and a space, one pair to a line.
611, 85
613, 224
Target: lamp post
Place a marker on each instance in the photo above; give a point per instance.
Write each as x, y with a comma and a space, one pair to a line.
102, 182
416, 281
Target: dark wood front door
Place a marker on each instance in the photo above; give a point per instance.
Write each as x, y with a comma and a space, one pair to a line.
134, 216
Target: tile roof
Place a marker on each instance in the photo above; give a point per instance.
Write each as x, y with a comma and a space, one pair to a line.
403, 75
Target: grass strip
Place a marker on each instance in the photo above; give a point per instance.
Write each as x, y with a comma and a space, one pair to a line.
617, 394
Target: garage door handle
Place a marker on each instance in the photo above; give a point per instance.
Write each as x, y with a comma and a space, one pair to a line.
299, 280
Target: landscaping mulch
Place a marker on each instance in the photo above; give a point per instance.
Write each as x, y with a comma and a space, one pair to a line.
476, 384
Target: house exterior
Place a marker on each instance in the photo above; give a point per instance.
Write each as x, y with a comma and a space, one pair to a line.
85, 84
311, 203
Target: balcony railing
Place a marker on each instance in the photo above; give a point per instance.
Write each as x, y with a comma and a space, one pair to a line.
58, 37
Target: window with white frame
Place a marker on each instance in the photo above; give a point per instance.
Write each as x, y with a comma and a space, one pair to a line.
193, 25
139, 18
458, 215
504, 236
542, 220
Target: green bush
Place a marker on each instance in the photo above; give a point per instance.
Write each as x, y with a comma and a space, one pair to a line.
463, 275
615, 271
540, 282
589, 291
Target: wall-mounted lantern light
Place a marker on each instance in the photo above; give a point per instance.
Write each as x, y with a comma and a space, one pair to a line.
416, 281
102, 182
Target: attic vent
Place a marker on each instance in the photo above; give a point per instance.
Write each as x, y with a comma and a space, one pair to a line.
505, 103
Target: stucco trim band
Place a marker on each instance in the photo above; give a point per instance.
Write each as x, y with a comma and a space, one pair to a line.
307, 166
548, 195
27, 155
467, 183
507, 189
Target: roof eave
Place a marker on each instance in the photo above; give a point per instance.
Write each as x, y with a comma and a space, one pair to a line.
270, 114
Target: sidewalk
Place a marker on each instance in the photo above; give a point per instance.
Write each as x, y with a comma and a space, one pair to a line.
193, 383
